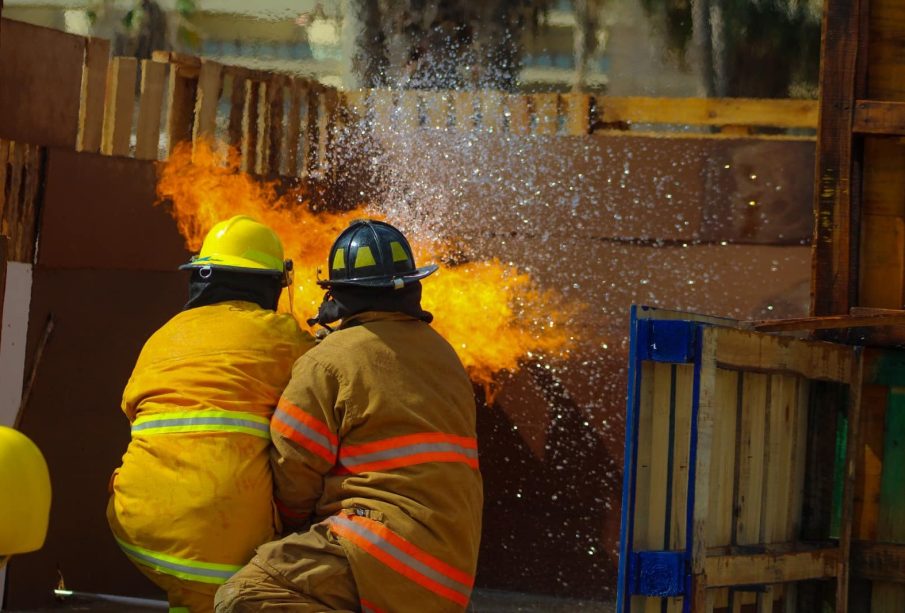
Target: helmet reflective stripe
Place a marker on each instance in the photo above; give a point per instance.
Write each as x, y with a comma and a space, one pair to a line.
339, 260
202, 421
399, 254
192, 570
364, 257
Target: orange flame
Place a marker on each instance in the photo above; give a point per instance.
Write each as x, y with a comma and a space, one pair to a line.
492, 314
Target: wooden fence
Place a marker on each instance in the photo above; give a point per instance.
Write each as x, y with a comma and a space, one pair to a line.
21, 172
280, 124
738, 479
285, 125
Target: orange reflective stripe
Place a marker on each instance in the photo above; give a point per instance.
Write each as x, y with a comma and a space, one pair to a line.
288, 513
407, 450
403, 557
304, 429
369, 607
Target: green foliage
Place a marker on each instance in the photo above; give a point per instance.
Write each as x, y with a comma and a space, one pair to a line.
768, 45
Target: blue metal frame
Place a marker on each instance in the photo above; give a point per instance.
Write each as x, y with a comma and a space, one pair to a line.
656, 573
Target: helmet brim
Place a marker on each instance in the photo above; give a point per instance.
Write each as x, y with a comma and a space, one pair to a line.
381, 282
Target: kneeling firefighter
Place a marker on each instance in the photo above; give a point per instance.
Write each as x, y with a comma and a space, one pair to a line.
194, 494
375, 453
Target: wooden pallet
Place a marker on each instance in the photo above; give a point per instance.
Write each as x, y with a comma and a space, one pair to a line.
280, 125
284, 125
21, 178
736, 491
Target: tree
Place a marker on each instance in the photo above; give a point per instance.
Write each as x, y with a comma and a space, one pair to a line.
435, 44
745, 48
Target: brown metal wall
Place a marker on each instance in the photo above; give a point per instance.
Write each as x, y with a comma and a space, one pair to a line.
40, 84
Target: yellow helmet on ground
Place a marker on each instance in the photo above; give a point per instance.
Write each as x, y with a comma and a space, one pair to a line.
244, 245
25, 502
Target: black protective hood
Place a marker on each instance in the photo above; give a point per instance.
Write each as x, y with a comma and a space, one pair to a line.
342, 302
222, 285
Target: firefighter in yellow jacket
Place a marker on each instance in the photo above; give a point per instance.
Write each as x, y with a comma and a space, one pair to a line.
194, 494
375, 454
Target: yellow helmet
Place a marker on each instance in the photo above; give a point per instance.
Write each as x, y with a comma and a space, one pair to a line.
25, 503
242, 244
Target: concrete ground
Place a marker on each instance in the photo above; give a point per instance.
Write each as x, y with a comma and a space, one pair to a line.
483, 601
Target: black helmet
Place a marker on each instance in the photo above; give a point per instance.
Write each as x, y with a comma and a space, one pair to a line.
372, 253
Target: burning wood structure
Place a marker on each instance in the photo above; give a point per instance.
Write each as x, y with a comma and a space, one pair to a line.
723, 206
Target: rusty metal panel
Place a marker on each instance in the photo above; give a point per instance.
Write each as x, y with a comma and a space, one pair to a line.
43, 67
98, 213
101, 320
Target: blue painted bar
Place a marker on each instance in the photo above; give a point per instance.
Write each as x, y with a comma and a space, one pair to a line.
626, 530
667, 340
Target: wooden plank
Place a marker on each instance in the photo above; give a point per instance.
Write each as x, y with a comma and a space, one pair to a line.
250, 126
879, 561
709, 404
275, 126
869, 467
723, 459
661, 421
492, 111
12, 209
464, 103
383, 105
709, 111
643, 482
237, 97
853, 412
34, 180
4, 177
356, 104
765, 353
119, 105
830, 322
546, 113
834, 249
436, 109
519, 114
750, 465
409, 109
93, 93
887, 596
209, 85
312, 132
879, 117
757, 569
749, 475
180, 105
150, 107
293, 128
578, 109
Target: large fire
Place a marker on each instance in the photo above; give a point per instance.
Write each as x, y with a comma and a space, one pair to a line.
492, 314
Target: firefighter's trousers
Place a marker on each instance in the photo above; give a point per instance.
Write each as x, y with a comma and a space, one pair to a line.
305, 572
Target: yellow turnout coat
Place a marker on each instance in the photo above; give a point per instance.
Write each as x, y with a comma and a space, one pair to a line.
193, 496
